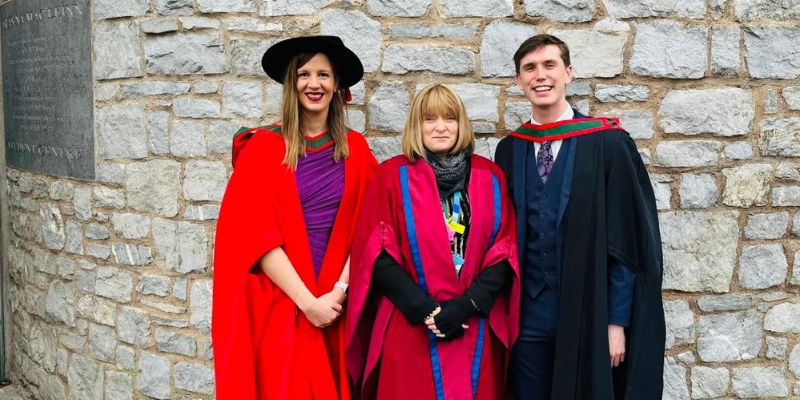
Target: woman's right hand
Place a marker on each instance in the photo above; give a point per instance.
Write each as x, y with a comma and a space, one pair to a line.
320, 311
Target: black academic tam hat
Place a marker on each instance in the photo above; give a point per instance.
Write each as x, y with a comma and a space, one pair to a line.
348, 66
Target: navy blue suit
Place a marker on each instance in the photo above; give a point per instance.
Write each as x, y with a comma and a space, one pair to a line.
541, 223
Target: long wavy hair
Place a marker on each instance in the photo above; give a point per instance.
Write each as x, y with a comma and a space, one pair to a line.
292, 114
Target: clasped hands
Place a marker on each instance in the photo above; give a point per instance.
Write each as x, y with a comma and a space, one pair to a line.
324, 310
447, 319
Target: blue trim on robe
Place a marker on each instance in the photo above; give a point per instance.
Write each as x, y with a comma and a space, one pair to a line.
415, 255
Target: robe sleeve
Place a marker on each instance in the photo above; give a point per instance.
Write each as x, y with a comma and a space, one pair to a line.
504, 316
246, 229
376, 231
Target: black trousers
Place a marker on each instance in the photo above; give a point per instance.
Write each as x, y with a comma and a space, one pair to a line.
532, 369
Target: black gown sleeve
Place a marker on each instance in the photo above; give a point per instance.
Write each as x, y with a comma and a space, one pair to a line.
487, 286
389, 279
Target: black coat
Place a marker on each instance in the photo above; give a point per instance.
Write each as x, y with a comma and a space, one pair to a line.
611, 212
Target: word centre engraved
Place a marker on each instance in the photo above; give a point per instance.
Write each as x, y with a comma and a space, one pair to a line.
47, 86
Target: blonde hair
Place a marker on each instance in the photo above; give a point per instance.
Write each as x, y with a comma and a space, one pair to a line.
436, 100
292, 113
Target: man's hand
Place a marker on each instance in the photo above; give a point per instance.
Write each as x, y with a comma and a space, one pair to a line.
616, 344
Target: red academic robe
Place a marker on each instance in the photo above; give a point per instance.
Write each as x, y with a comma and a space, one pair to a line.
264, 348
387, 357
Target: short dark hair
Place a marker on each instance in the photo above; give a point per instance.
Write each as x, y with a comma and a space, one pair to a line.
536, 42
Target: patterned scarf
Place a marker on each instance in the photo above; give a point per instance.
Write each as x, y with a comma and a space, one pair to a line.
450, 172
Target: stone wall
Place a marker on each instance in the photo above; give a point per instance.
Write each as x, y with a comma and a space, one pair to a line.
110, 281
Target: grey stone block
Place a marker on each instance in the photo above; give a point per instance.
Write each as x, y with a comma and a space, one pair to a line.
561, 11
687, 153
794, 361
467, 8
680, 323
119, 386
782, 318
776, 347
594, 54
154, 376
153, 186
517, 113
188, 139
638, 123
201, 213
129, 254
226, 6
500, 41
748, 185
247, 54
105, 9
172, 342
766, 226
183, 54
792, 96
661, 190
84, 378
106, 197
762, 266
417, 31
292, 7
699, 250
97, 309
786, 196
130, 226
698, 191
195, 378
754, 10
114, 283
356, 120
760, 382
448, 60
398, 8
725, 51
681, 111
739, 151
61, 190
656, 8
110, 173
359, 33
616, 93
97, 231
242, 99
158, 25
138, 90
384, 148
204, 181
180, 246
153, 284
173, 7
773, 52
710, 383
121, 131
103, 341
675, 385
220, 136
388, 107
660, 47
117, 50
125, 358
780, 137
729, 337
200, 305
133, 327
159, 132
52, 226
725, 302
74, 238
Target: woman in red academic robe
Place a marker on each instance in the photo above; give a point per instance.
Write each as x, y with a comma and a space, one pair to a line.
434, 296
281, 257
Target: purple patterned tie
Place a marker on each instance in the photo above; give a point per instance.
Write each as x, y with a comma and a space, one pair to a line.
544, 159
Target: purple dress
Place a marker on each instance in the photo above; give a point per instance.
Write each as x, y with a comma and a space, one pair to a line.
320, 183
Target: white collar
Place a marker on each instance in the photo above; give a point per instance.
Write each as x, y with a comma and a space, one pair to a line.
568, 114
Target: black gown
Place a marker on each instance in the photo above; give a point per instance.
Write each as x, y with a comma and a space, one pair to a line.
611, 212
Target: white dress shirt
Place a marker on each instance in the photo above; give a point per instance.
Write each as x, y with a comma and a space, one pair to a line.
555, 145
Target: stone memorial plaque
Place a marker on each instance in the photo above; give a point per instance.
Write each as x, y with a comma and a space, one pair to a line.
47, 86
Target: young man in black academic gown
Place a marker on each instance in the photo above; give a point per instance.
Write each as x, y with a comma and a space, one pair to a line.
592, 321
